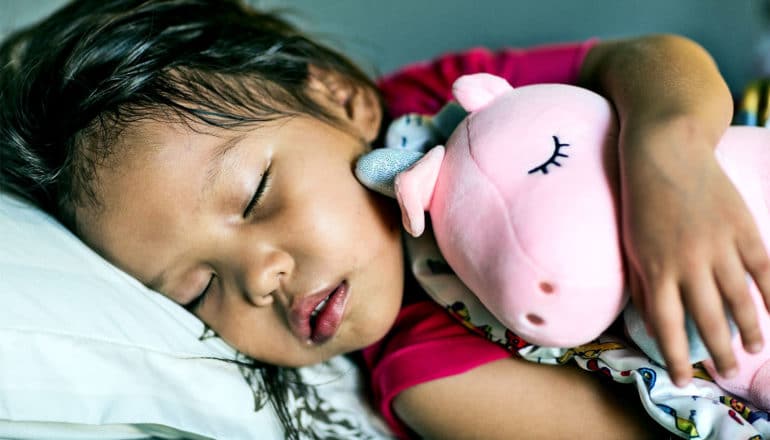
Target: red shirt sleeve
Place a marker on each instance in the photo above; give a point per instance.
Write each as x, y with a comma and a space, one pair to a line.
425, 87
425, 344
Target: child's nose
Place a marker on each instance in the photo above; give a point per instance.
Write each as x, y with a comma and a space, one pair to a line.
263, 276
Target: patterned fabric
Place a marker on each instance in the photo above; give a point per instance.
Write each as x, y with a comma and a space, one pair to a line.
701, 410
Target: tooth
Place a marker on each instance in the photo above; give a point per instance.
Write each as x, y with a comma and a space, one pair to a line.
319, 307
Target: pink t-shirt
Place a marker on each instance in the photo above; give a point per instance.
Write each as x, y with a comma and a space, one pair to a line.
426, 343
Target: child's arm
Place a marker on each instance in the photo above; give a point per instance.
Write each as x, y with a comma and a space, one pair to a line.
689, 237
516, 399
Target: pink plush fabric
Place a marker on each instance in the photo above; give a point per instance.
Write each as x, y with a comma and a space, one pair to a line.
523, 209
424, 88
744, 154
523, 203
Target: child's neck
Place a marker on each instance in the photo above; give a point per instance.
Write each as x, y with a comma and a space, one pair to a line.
413, 291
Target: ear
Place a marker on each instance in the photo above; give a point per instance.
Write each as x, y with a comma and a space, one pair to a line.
355, 103
414, 190
475, 91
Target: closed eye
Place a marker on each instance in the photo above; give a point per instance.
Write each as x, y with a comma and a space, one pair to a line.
557, 146
413, 117
256, 199
196, 303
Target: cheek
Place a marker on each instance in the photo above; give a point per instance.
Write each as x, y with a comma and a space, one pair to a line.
378, 248
373, 226
259, 333
345, 215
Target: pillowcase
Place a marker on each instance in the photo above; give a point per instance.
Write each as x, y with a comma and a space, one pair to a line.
86, 351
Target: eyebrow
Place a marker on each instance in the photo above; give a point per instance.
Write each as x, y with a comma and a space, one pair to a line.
214, 170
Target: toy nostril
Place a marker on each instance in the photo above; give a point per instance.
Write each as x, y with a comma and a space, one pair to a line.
547, 287
535, 319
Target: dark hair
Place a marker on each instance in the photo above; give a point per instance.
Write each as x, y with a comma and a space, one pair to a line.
70, 84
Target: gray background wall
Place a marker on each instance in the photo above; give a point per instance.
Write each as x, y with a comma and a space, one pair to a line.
386, 34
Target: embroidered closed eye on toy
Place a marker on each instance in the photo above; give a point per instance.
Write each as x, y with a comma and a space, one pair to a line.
523, 205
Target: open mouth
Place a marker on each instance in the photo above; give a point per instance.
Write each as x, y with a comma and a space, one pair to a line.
318, 317
326, 317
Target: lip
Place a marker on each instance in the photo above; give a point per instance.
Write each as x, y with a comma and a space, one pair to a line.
326, 323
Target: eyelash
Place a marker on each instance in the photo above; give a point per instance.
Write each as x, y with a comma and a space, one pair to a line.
196, 303
557, 146
256, 199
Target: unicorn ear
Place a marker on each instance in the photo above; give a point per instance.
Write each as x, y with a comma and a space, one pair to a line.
414, 190
378, 168
475, 91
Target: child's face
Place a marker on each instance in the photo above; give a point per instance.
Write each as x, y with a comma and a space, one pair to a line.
174, 217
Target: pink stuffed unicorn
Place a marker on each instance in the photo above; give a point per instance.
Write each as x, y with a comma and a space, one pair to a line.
523, 205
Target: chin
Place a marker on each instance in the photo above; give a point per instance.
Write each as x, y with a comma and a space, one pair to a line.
374, 326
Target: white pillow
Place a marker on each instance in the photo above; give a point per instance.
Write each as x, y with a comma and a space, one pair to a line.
86, 351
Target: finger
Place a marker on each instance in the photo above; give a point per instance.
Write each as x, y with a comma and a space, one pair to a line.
702, 300
667, 320
637, 298
757, 263
732, 281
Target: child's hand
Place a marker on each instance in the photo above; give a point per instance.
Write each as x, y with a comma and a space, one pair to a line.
690, 241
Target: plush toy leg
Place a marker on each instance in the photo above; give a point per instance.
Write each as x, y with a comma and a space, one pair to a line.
759, 391
745, 155
753, 379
